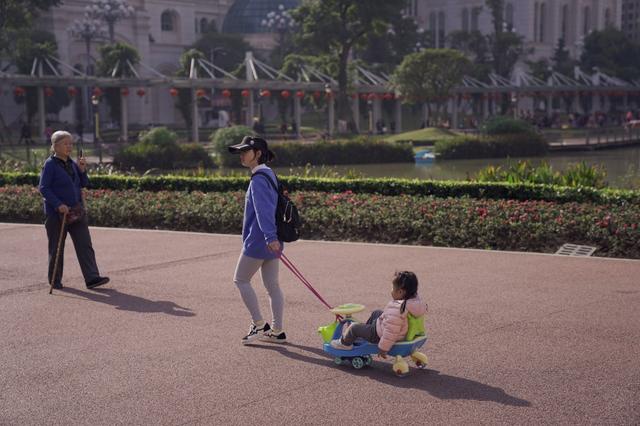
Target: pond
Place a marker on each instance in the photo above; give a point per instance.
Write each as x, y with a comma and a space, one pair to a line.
622, 166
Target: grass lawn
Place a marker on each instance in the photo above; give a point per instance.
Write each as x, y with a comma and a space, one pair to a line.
429, 134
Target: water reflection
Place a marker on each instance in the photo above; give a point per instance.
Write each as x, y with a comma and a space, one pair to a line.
622, 166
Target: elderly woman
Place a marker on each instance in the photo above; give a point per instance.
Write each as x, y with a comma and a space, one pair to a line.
61, 181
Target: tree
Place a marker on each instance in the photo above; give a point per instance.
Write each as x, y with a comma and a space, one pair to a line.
336, 27
612, 52
562, 61
114, 62
29, 46
430, 75
476, 46
184, 99
18, 15
506, 46
389, 48
110, 11
224, 50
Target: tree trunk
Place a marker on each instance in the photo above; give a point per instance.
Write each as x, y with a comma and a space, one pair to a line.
344, 108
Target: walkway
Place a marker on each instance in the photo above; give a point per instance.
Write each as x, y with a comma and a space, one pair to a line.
514, 338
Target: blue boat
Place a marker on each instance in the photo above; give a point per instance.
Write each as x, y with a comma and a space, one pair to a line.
425, 156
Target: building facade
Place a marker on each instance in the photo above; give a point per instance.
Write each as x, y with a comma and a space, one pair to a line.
159, 29
540, 22
631, 19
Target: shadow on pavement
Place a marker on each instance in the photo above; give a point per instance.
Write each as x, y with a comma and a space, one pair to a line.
127, 302
441, 386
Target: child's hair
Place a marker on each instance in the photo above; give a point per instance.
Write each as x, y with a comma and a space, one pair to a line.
408, 282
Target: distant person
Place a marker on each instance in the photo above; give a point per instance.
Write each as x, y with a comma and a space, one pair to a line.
294, 128
392, 126
61, 181
25, 134
80, 130
389, 326
283, 129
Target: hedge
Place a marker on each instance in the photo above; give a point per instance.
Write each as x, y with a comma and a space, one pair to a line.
539, 226
493, 146
382, 186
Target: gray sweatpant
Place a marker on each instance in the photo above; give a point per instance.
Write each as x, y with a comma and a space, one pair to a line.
245, 270
366, 331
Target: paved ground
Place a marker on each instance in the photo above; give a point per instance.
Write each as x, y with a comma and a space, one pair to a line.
514, 338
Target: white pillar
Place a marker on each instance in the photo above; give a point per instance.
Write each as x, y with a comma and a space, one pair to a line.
356, 112
124, 118
332, 114
297, 115
398, 116
194, 116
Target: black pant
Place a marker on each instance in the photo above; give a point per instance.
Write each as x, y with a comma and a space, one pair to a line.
81, 238
366, 331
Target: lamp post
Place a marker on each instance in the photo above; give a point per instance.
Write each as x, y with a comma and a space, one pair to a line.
110, 11
281, 22
329, 97
95, 100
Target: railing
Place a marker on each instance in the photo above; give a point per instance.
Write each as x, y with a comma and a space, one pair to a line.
593, 138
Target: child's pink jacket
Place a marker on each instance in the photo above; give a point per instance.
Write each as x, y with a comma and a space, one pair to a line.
392, 325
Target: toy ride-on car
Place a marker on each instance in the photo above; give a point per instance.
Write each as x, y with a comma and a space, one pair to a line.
361, 353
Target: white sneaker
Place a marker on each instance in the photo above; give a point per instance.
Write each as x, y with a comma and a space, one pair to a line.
337, 344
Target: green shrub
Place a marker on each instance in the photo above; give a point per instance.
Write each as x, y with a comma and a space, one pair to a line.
223, 138
357, 151
580, 174
381, 186
497, 146
539, 226
503, 125
158, 148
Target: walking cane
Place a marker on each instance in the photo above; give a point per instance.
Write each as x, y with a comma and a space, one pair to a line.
55, 263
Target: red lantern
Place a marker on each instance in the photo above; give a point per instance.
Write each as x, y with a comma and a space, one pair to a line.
387, 96
173, 92
299, 94
200, 93
265, 93
140, 92
285, 94
371, 96
329, 94
97, 92
19, 91
226, 93
48, 91
363, 96
245, 93
317, 94
466, 96
72, 91
124, 91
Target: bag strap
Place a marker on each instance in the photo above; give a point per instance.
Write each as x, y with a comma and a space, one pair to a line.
273, 185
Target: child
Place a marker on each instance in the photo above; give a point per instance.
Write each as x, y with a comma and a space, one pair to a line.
388, 326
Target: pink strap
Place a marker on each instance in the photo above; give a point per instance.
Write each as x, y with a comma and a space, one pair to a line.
304, 281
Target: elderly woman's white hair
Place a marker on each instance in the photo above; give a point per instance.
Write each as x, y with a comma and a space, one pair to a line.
59, 136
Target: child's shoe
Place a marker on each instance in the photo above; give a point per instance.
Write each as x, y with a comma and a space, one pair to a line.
255, 332
275, 336
337, 344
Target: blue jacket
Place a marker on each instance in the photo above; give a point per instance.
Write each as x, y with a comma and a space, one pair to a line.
259, 223
58, 187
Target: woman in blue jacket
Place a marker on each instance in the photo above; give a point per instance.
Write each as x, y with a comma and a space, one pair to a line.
61, 181
260, 245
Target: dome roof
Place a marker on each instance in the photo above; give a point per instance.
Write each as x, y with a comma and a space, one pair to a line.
245, 16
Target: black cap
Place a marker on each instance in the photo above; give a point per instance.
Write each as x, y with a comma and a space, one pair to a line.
250, 142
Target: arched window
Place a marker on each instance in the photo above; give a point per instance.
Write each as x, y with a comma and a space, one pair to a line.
542, 19
442, 22
204, 26
536, 19
475, 18
564, 22
433, 21
508, 14
465, 19
586, 25
167, 21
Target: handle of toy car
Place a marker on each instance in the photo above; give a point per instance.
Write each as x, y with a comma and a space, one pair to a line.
348, 309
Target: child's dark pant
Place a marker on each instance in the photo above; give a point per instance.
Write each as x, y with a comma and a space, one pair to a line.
365, 331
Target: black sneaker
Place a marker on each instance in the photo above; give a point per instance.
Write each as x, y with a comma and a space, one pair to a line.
97, 282
255, 332
58, 286
270, 336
